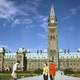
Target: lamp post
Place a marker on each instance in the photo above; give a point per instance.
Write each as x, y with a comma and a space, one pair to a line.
58, 61
67, 62
41, 58
38, 58
30, 63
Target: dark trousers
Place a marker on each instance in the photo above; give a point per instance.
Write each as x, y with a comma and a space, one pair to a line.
45, 77
51, 77
15, 79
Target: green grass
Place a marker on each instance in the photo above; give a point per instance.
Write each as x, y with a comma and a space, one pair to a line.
7, 76
74, 75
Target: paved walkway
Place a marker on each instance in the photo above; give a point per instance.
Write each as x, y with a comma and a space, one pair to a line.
57, 77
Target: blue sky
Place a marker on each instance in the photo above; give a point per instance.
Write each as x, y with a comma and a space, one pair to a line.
23, 23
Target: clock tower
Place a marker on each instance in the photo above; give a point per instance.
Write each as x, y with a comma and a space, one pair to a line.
52, 38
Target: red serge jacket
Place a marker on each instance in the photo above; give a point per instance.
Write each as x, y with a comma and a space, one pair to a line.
52, 69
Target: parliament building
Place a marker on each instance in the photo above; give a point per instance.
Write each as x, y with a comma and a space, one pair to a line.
64, 59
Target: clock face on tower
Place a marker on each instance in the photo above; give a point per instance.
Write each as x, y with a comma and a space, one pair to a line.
52, 21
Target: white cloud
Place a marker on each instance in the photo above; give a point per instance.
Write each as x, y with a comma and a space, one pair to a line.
21, 12
7, 9
43, 22
44, 25
16, 21
4, 46
60, 50
31, 6
70, 28
38, 16
28, 21
42, 35
73, 11
45, 19
21, 21
29, 26
41, 18
66, 17
35, 3
45, 50
78, 49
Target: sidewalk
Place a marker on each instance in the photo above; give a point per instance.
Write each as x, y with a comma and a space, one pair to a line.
57, 77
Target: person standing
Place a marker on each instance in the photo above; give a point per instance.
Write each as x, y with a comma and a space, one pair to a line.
14, 74
45, 71
52, 71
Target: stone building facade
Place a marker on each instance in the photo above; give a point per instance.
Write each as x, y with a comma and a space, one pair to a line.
33, 61
70, 61
28, 61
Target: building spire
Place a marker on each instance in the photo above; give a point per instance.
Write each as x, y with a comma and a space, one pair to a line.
52, 12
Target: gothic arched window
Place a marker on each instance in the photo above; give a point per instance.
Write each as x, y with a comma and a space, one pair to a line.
52, 37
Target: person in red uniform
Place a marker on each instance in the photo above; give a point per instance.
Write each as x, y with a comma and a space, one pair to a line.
52, 71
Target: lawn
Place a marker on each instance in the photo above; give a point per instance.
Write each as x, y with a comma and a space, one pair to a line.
72, 73
7, 76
